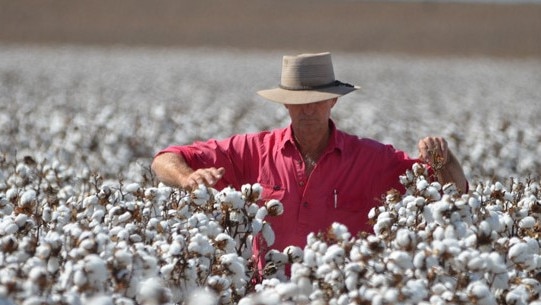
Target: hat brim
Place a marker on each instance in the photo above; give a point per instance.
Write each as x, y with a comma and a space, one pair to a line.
297, 97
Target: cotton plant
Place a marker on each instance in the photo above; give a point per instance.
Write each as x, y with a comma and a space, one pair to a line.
430, 245
73, 240
149, 244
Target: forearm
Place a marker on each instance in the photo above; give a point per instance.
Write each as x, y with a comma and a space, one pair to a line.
171, 169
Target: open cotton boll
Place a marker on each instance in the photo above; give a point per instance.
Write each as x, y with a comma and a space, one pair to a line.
132, 188
201, 245
340, 231
225, 242
8, 226
21, 219
274, 207
294, 254
287, 291
231, 198
519, 253
233, 263
200, 195
27, 197
98, 300
479, 293
400, 259
527, 222
262, 213
153, 292
277, 257
251, 210
257, 225
95, 269
202, 297
334, 254
252, 192
268, 233
310, 258
518, 295
384, 222
405, 239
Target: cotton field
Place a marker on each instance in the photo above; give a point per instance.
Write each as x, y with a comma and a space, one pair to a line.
85, 222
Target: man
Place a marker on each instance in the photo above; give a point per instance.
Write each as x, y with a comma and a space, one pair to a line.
319, 173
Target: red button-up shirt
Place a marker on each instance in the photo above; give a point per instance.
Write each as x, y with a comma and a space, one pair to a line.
348, 180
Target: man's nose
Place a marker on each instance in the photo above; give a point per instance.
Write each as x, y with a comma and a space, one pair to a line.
308, 108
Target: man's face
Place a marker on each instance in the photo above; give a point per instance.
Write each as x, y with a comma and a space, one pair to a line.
311, 115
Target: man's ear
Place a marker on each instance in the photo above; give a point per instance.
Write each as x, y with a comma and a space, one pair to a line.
334, 101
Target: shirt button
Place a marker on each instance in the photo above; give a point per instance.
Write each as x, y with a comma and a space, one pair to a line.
301, 183
305, 204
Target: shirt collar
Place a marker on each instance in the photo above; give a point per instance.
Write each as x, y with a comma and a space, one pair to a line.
336, 140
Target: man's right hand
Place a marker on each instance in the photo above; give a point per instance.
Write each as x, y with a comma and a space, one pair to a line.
207, 176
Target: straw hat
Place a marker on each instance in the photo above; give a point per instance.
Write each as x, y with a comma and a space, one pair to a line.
307, 78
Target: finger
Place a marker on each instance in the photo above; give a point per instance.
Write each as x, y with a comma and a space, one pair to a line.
192, 183
212, 175
424, 147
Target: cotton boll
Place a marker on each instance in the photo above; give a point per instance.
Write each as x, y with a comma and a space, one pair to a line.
202, 297
310, 259
479, 293
517, 296
152, 292
405, 239
262, 213
125, 217
79, 278
166, 270
295, 254
416, 291
233, 263
20, 220
474, 203
28, 197
268, 233
8, 226
518, 253
334, 254
323, 270
257, 225
391, 295
400, 259
274, 207
422, 184
287, 291
252, 193
384, 222
133, 188
225, 243
533, 244
200, 245
200, 195
277, 257
95, 269
236, 216
527, 222
433, 192
340, 231
450, 189
251, 210
476, 264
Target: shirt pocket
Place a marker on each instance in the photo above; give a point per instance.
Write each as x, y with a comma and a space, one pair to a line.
272, 192
339, 201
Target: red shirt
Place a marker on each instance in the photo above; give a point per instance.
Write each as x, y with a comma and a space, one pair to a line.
349, 179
